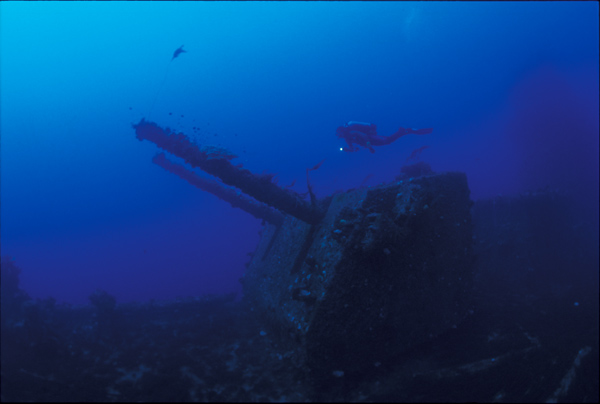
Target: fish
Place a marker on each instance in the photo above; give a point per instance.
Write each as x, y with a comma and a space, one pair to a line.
178, 51
416, 152
317, 165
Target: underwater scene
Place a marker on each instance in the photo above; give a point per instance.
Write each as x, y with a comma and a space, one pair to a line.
299, 201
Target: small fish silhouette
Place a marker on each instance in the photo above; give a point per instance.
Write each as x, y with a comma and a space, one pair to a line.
178, 51
317, 165
416, 153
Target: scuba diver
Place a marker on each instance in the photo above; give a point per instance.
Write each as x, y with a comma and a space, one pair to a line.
365, 135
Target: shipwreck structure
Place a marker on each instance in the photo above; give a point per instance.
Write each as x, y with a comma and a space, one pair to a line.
352, 280
387, 268
217, 162
365, 295
532, 337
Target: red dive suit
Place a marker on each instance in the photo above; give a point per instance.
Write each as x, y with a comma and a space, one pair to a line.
365, 135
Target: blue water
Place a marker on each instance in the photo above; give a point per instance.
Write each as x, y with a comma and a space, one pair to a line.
511, 90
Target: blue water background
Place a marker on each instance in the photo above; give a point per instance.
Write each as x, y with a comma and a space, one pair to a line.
510, 88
